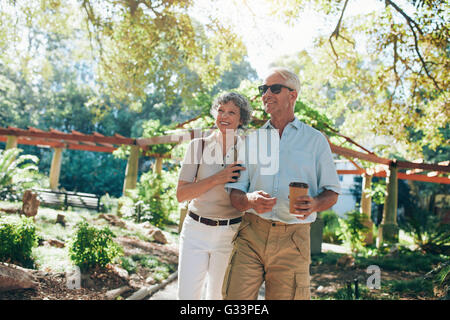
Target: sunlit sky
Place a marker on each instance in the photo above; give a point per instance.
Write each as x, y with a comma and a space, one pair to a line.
268, 38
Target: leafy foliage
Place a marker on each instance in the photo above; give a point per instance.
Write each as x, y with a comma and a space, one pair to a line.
93, 247
154, 198
352, 231
15, 173
331, 226
140, 46
429, 233
17, 239
380, 73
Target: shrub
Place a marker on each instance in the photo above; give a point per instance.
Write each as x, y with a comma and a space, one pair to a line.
17, 239
160, 270
93, 247
352, 231
331, 226
153, 199
428, 231
128, 264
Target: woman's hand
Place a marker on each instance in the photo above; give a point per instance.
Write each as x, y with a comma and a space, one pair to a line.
189, 190
230, 174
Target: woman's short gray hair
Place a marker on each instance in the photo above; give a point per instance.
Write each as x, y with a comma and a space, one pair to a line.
239, 101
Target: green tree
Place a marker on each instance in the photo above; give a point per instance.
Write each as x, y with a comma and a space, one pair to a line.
137, 47
379, 74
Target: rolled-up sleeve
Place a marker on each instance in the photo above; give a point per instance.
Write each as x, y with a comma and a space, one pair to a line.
327, 176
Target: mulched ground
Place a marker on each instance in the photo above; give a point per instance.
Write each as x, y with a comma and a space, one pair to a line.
325, 279
94, 285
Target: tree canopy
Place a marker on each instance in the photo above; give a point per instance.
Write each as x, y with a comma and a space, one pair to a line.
383, 73
134, 47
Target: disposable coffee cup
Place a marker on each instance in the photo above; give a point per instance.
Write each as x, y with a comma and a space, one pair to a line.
296, 189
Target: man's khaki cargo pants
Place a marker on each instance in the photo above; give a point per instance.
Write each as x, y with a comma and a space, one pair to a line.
269, 251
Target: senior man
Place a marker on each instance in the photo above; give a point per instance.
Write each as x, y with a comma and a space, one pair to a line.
273, 245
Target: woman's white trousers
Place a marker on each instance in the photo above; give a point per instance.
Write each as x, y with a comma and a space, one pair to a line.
203, 256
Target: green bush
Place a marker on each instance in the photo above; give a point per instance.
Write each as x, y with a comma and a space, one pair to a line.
17, 239
331, 226
93, 247
128, 264
153, 199
352, 231
160, 270
428, 231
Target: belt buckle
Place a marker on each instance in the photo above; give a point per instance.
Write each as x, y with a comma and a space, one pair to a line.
217, 223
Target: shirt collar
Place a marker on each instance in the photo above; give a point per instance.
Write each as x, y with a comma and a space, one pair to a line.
295, 123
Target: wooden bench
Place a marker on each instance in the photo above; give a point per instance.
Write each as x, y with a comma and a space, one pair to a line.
68, 198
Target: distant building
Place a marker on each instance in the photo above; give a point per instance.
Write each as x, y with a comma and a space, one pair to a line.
346, 201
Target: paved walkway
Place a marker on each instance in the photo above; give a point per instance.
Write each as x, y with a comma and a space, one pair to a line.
170, 291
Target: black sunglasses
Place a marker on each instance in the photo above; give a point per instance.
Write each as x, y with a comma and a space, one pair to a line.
275, 88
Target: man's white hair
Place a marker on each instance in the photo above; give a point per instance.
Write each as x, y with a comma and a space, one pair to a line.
291, 78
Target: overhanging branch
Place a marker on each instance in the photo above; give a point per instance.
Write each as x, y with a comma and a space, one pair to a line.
414, 26
336, 33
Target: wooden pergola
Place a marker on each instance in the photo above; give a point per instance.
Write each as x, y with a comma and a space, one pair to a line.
391, 169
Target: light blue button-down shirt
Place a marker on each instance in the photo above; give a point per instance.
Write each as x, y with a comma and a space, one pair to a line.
302, 154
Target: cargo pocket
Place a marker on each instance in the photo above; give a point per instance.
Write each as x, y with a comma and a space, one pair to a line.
302, 290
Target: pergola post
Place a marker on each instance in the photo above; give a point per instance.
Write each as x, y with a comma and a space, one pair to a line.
366, 207
55, 168
131, 172
388, 231
157, 166
11, 142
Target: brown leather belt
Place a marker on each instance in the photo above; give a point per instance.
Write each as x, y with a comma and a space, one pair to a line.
211, 222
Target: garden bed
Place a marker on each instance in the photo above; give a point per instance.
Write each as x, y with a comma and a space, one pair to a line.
144, 262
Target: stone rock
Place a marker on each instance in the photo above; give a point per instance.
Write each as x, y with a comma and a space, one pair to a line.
60, 218
55, 243
146, 225
150, 280
346, 261
158, 236
113, 220
122, 273
14, 277
30, 204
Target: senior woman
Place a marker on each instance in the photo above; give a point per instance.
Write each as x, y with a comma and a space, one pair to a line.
211, 222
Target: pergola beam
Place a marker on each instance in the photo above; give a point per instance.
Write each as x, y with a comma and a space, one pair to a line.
400, 175
66, 136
